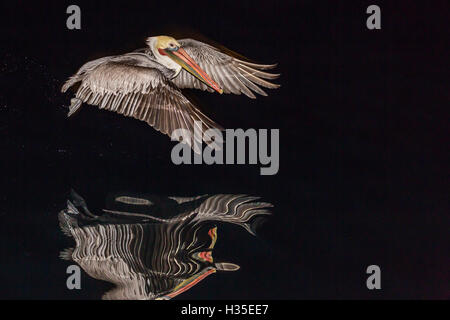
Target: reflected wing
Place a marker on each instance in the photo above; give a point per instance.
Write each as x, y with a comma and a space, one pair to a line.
233, 208
131, 86
233, 75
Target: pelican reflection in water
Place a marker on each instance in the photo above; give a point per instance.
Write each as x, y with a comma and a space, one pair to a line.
154, 247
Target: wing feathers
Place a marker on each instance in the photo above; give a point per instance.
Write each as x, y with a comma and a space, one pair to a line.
259, 81
145, 94
233, 75
260, 74
257, 66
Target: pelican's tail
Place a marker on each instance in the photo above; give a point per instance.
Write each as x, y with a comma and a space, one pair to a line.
75, 104
66, 254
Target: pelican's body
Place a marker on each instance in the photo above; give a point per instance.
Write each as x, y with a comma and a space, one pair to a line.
145, 84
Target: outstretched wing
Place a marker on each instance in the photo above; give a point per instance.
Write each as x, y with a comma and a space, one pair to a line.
233, 208
233, 75
136, 88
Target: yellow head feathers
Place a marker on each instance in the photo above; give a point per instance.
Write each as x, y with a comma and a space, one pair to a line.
164, 42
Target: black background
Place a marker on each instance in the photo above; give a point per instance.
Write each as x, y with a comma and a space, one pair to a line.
363, 144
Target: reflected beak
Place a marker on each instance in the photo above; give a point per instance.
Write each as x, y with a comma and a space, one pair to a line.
184, 60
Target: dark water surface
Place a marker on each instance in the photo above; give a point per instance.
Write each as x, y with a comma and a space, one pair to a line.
362, 139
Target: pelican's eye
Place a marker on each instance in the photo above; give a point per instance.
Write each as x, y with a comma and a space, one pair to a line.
172, 47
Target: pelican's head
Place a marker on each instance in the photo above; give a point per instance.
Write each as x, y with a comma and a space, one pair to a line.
170, 54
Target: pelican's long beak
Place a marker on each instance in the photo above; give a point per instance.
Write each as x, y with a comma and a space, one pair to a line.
184, 60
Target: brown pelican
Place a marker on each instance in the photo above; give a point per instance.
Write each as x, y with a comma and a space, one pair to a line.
154, 247
145, 84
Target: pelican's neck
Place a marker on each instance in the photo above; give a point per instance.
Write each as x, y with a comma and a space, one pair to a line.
164, 60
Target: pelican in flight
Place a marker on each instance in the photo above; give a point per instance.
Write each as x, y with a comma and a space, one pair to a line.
145, 84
